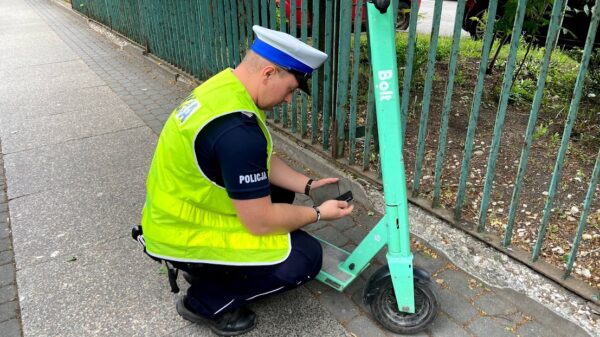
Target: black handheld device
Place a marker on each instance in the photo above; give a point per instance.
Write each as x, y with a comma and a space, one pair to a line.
345, 197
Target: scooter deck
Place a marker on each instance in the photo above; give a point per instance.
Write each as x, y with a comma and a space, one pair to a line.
331, 273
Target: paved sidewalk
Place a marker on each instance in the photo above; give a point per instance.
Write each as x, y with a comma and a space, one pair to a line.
79, 119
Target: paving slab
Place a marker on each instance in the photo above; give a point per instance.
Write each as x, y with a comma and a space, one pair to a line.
457, 306
87, 159
481, 327
14, 109
11, 328
66, 75
535, 329
296, 313
126, 295
8, 294
16, 15
444, 326
59, 223
539, 313
68, 125
109, 290
35, 48
342, 307
8, 310
363, 326
7, 272
6, 257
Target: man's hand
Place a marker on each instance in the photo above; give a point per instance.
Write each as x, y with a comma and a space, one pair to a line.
335, 209
322, 182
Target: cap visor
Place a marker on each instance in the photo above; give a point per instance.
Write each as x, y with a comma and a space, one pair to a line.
303, 84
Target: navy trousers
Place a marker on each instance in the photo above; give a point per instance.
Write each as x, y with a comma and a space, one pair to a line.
216, 289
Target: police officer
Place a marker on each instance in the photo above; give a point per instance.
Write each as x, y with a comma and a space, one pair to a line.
218, 202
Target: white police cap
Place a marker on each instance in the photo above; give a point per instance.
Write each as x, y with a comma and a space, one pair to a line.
288, 52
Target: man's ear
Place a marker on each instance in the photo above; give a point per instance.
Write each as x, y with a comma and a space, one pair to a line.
269, 71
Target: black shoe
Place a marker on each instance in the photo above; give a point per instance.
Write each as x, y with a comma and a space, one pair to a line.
231, 323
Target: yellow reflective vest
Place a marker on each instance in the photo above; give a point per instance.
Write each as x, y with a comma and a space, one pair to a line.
186, 216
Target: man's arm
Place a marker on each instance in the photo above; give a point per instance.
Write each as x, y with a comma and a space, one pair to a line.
262, 217
284, 176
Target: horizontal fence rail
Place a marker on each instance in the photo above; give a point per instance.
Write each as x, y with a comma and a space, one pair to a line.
469, 147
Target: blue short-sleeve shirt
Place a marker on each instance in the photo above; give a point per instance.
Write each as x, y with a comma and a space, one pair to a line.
232, 152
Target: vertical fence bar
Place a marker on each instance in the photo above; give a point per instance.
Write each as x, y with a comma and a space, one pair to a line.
282, 27
230, 23
222, 36
201, 39
237, 49
577, 91
499, 125
264, 14
256, 11
409, 64
583, 219
304, 37
135, 25
293, 31
370, 125
180, 43
273, 25
157, 29
143, 24
163, 30
194, 31
173, 35
209, 34
358, 11
106, 17
187, 14
554, 28
488, 41
315, 94
249, 22
187, 38
186, 20
166, 32
203, 64
177, 42
212, 38
343, 64
244, 23
439, 163
327, 72
272, 15
420, 155
146, 28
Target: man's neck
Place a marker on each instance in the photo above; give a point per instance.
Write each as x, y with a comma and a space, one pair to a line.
247, 79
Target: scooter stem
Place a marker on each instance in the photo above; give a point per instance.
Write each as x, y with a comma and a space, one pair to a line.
382, 34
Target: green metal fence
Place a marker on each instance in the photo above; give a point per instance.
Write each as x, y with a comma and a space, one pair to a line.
447, 136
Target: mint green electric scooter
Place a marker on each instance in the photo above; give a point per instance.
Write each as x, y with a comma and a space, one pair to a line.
400, 296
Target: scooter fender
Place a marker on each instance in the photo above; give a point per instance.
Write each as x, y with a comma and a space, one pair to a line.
383, 275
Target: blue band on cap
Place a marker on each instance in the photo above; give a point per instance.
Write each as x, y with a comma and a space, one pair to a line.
278, 57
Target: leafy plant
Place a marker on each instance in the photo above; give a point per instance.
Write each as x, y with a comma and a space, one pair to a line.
540, 131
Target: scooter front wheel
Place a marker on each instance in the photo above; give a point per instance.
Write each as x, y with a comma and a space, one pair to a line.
385, 308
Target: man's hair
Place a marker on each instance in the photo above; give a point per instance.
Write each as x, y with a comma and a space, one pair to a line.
255, 62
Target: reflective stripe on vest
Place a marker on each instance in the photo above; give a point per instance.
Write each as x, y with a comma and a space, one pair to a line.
186, 216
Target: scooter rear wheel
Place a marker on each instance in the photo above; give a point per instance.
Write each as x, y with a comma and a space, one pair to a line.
385, 309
